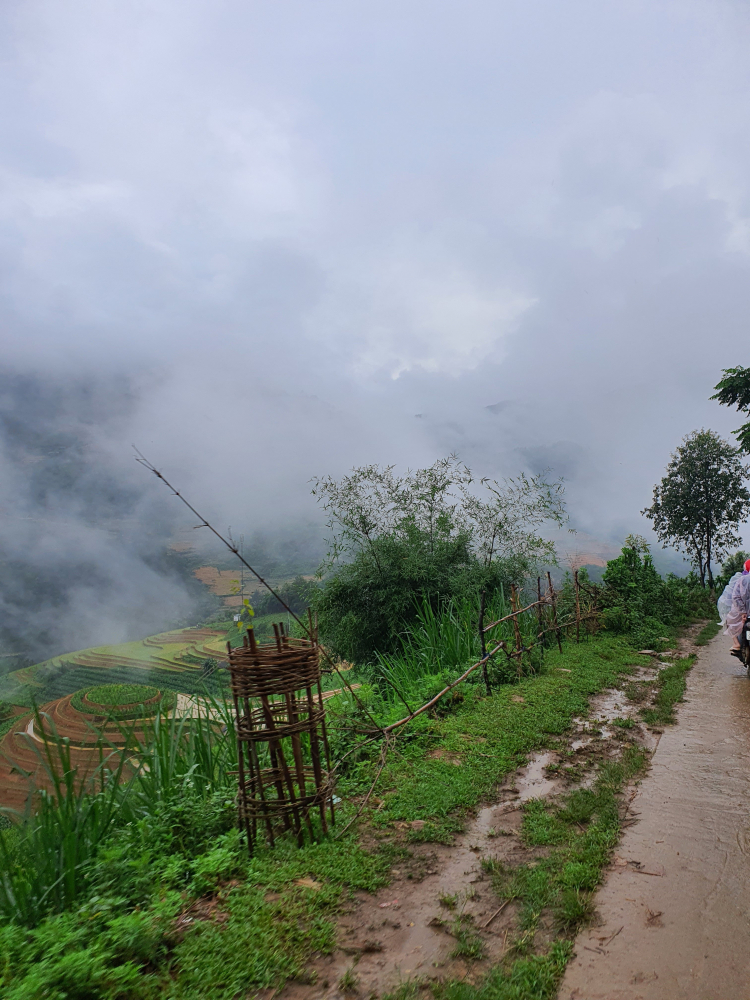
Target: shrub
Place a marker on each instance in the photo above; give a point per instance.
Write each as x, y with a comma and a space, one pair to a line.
638, 602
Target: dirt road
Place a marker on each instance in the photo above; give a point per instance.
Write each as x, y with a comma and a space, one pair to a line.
677, 899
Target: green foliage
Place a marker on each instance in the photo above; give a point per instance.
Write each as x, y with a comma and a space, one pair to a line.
368, 602
701, 501
734, 390
425, 535
438, 645
534, 978
483, 739
639, 603
298, 594
733, 564
121, 942
468, 943
581, 832
45, 857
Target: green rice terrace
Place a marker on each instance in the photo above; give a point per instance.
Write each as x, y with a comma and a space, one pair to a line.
87, 695
173, 660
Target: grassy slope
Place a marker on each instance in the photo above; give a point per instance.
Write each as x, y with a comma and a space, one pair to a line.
271, 924
492, 736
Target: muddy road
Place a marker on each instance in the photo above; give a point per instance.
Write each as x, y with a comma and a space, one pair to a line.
671, 920
673, 917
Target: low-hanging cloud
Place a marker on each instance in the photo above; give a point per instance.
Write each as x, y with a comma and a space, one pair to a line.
276, 240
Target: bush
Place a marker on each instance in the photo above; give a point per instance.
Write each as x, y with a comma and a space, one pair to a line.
367, 603
639, 603
298, 594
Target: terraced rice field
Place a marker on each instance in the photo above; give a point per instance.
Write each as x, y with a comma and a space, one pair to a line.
170, 660
22, 749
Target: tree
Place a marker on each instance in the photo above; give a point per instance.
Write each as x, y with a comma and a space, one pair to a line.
496, 517
701, 501
734, 390
433, 534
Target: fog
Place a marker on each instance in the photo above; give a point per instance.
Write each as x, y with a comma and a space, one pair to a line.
266, 241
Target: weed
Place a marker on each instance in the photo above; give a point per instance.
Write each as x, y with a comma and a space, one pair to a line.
533, 978
573, 908
468, 943
449, 901
349, 982
624, 723
581, 833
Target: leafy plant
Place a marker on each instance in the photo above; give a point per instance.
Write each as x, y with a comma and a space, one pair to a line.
734, 390
701, 501
431, 535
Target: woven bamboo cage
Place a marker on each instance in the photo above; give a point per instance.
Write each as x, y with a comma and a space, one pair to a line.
284, 760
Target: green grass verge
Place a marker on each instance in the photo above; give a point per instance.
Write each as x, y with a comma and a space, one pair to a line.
670, 687
266, 916
445, 767
581, 832
707, 633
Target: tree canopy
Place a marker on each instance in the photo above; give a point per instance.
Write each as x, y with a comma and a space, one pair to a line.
433, 533
734, 390
701, 501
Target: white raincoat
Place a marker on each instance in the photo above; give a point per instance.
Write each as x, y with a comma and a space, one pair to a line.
724, 604
740, 606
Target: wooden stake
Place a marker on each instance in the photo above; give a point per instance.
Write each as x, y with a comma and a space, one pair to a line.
554, 611
539, 616
483, 644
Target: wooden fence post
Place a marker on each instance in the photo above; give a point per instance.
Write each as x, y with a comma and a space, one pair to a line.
483, 644
554, 611
539, 616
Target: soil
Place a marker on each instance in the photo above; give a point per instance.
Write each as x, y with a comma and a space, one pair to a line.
407, 930
673, 915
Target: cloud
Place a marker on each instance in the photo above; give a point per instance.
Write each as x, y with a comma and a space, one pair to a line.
268, 235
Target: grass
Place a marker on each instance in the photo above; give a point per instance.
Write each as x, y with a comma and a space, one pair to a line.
102, 896
670, 687
468, 943
581, 833
98, 883
485, 739
707, 633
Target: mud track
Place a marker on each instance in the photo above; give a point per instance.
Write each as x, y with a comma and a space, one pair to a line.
677, 897
407, 931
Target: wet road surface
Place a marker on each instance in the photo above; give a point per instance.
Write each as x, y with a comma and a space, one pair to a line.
675, 908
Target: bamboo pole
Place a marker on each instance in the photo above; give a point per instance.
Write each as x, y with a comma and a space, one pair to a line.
483, 644
539, 615
554, 611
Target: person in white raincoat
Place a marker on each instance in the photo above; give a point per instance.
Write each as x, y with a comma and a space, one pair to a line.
724, 604
740, 608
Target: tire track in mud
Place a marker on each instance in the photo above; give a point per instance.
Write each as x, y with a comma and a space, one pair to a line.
407, 932
683, 934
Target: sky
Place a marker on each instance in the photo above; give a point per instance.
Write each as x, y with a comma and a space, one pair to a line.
267, 241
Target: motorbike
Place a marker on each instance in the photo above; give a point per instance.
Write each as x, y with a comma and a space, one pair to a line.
744, 638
